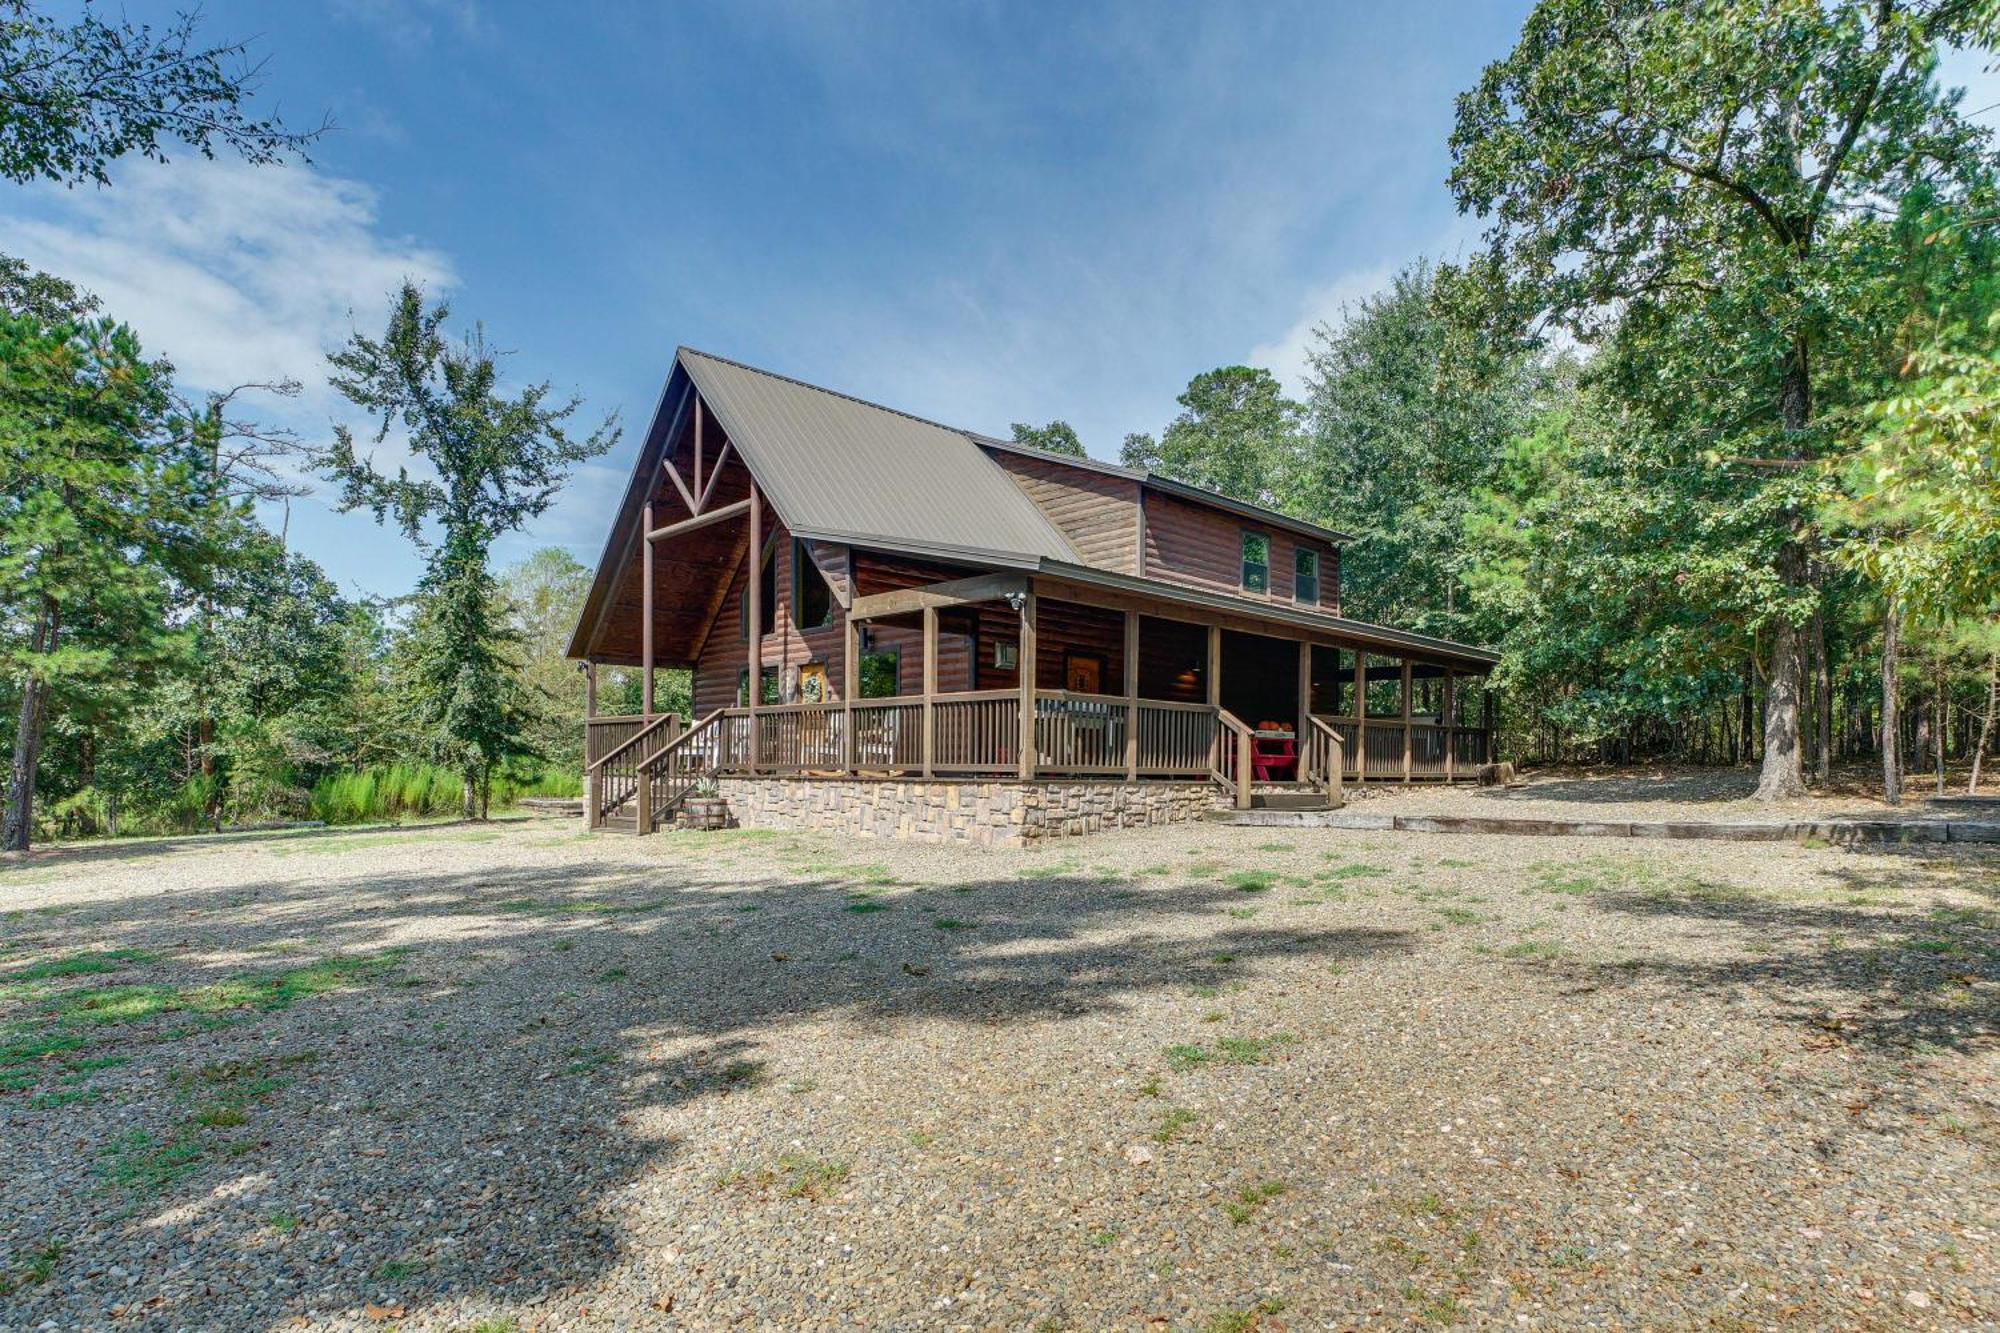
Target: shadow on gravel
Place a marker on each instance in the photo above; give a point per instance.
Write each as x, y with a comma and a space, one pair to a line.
1898, 983
479, 1089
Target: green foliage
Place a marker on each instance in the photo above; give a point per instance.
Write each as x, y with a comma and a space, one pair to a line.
1409, 414
1058, 437
79, 94
1237, 433
499, 462
95, 483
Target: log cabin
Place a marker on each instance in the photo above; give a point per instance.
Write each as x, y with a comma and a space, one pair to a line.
903, 628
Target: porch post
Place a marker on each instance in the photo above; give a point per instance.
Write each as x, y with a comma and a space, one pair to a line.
850, 675
1131, 695
646, 618
1450, 720
589, 743
1305, 707
1406, 720
1029, 760
930, 686
1212, 686
754, 599
1360, 714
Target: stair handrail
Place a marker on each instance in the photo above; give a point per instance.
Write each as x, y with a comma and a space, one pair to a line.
658, 767
663, 720
1323, 758
1231, 731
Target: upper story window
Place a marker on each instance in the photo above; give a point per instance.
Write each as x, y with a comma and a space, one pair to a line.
767, 600
1256, 562
1305, 576
812, 599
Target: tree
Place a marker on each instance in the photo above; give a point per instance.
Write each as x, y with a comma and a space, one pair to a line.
1408, 413
76, 95
544, 595
94, 477
498, 462
1701, 176
1237, 433
1058, 437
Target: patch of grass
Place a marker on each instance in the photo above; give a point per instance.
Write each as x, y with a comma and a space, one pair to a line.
1442, 1308
613, 974
1185, 1056
1102, 1237
583, 1059
1151, 1087
39, 1266
49, 1101
222, 1116
1352, 870
1243, 1321
1460, 916
1172, 1123
919, 1139
953, 923
394, 1270
1534, 949
1242, 913
743, 1074
1253, 1050
141, 1164
1251, 881
282, 1222
1252, 1197
82, 964
866, 905
810, 1177
26, 1047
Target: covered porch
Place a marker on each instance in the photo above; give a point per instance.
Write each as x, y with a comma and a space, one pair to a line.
1031, 677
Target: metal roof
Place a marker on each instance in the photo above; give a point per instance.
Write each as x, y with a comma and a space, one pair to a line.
1360, 631
842, 469
1173, 486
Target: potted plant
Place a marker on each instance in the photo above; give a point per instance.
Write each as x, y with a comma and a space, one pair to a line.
705, 807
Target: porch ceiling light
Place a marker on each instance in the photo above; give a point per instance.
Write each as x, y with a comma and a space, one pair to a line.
1016, 600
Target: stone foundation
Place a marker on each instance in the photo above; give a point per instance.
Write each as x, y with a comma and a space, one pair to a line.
990, 814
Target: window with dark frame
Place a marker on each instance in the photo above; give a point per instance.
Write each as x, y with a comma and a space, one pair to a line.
767, 593
1256, 562
881, 670
768, 687
1305, 575
812, 598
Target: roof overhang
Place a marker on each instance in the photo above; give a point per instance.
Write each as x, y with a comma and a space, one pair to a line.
1356, 631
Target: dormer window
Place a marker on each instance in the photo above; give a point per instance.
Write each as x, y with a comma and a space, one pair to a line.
1256, 562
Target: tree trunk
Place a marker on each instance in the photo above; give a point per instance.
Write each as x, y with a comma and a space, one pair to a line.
1892, 771
1940, 720
20, 818
468, 794
1985, 723
1822, 704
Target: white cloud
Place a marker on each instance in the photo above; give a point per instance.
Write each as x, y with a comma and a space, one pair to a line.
414, 23
234, 273
1286, 355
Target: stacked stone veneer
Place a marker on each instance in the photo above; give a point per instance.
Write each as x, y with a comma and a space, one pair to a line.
985, 813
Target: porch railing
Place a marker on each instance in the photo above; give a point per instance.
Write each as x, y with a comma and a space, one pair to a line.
978, 733
1375, 749
611, 777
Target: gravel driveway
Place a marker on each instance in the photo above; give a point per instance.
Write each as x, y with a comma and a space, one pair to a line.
1199, 1078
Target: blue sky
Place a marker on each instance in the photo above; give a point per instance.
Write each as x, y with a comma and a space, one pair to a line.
981, 213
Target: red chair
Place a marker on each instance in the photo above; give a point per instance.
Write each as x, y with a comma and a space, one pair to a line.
1274, 756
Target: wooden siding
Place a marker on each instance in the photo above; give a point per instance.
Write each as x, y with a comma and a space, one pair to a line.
1190, 543
1098, 513
788, 648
